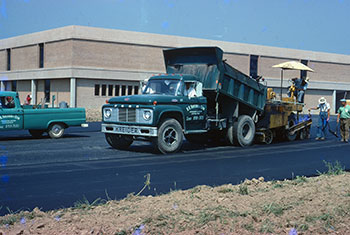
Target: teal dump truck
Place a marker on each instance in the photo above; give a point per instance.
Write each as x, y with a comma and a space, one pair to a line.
35, 119
224, 103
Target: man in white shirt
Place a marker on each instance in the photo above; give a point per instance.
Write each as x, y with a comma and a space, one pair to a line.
190, 91
323, 118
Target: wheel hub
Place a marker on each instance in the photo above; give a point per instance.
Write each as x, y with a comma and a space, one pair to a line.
170, 136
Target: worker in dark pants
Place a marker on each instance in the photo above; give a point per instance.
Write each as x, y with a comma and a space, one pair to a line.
323, 118
344, 118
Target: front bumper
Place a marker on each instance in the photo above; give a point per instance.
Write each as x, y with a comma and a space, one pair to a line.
145, 131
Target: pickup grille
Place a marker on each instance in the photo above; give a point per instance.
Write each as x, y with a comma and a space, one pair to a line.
127, 114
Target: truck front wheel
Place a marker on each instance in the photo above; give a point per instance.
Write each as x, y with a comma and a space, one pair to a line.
56, 130
170, 136
120, 142
36, 133
242, 131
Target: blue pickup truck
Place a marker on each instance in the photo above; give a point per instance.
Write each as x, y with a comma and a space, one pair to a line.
37, 120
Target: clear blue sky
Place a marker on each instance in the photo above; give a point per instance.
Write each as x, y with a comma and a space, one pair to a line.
319, 25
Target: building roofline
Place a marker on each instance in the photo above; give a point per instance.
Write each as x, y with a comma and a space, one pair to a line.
165, 41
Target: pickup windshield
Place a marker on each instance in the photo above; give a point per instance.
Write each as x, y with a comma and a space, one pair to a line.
163, 87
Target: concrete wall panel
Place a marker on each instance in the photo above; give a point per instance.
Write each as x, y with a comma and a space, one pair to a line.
265, 68
58, 54
117, 56
240, 62
3, 60
61, 89
24, 58
329, 72
23, 89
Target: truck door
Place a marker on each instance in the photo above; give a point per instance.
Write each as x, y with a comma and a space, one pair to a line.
195, 111
11, 113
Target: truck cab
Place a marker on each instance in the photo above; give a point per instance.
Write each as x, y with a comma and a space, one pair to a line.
170, 105
11, 117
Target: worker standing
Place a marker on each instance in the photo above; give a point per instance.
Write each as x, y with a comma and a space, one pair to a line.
344, 117
323, 118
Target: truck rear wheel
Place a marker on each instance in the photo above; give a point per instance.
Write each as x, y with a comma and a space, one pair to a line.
36, 133
56, 130
120, 142
242, 131
170, 136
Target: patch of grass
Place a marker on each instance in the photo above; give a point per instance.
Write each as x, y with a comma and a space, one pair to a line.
277, 186
121, 233
9, 219
273, 208
249, 227
225, 190
300, 180
161, 220
333, 168
14, 217
267, 227
196, 190
84, 204
243, 189
302, 227
218, 213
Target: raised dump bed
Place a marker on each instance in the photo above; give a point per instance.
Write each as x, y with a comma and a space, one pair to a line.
217, 76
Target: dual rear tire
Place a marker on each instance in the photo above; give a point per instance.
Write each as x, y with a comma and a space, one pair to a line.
242, 131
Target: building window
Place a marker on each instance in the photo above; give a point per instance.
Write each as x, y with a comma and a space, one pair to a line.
97, 90
123, 90
136, 90
47, 90
8, 51
13, 85
129, 90
110, 90
117, 88
41, 55
303, 74
253, 69
104, 90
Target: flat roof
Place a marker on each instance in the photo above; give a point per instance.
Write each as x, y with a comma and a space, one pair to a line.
165, 41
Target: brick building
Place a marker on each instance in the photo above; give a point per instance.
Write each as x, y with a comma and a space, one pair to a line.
84, 66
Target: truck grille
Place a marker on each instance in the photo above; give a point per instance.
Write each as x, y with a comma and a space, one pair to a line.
127, 114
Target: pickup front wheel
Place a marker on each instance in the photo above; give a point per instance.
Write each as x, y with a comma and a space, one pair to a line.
120, 142
170, 136
56, 130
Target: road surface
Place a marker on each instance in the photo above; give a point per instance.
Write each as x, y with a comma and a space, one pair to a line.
50, 174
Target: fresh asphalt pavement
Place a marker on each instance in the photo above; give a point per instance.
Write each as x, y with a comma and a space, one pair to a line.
51, 174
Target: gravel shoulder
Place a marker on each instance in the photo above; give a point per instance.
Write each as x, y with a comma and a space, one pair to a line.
316, 205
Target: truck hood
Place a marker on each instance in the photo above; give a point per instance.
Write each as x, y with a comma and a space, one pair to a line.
144, 99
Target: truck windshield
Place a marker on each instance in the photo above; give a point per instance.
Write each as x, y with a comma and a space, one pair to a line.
163, 87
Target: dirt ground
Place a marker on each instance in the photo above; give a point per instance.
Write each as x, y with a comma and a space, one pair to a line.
317, 205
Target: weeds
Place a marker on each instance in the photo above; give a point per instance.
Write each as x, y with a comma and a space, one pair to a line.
267, 227
146, 184
84, 204
300, 180
243, 189
273, 208
225, 190
249, 227
333, 169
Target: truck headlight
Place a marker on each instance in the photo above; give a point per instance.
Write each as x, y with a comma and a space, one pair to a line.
147, 115
107, 113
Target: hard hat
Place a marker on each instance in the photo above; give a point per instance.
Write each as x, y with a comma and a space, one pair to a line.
322, 100
307, 79
343, 100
